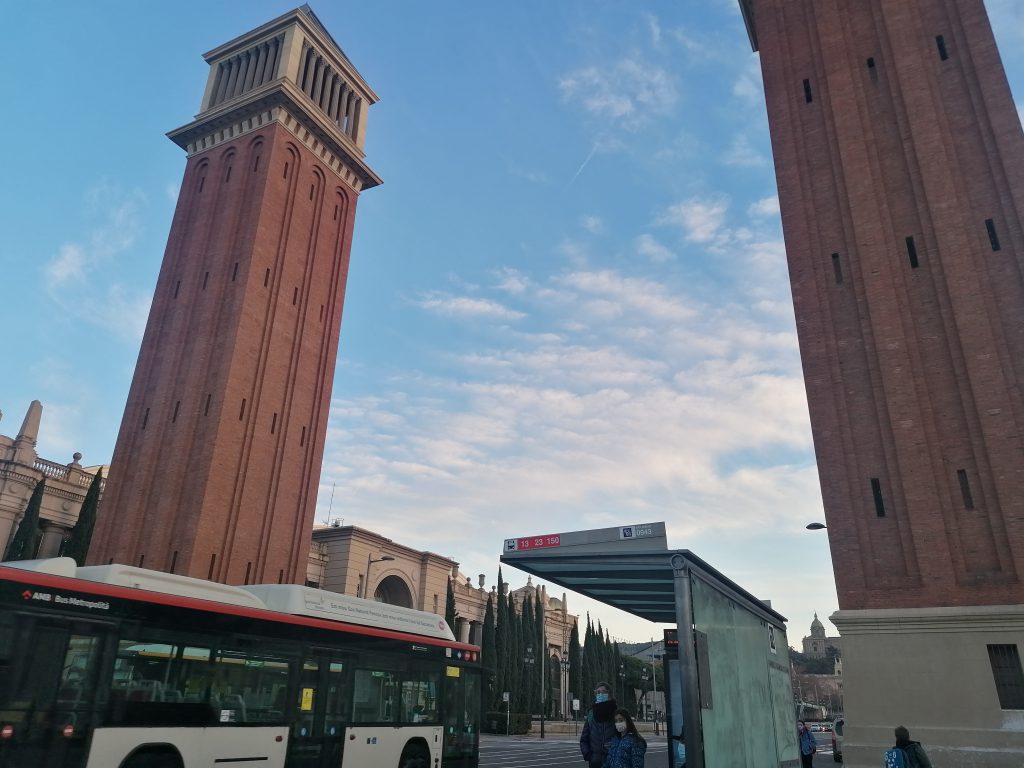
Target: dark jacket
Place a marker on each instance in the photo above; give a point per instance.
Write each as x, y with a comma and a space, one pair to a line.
808, 744
598, 730
626, 751
916, 757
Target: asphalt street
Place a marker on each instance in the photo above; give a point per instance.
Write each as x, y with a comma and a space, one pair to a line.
563, 751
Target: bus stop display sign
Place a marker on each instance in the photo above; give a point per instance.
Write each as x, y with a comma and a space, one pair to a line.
642, 535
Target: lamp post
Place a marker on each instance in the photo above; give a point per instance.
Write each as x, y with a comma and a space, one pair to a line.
566, 694
643, 689
654, 682
369, 562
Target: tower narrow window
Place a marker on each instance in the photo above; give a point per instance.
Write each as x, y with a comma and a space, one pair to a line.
234, 272
266, 278
302, 438
876, 492
241, 412
145, 418
142, 559
321, 313
202, 181
837, 269
993, 236
312, 188
965, 488
177, 407
280, 576
177, 287
808, 96
256, 164
335, 213
213, 562
286, 170
227, 176
912, 252
206, 410
206, 279
940, 43
174, 561
273, 424
248, 570
295, 296
872, 70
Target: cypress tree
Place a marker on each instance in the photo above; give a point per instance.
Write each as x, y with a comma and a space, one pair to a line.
544, 672
77, 546
488, 644
23, 545
575, 668
531, 656
515, 660
502, 642
449, 606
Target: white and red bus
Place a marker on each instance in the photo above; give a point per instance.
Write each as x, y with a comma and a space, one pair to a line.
120, 667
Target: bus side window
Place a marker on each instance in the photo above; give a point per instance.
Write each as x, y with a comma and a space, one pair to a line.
6, 651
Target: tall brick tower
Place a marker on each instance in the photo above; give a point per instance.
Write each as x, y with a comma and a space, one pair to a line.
900, 167
217, 461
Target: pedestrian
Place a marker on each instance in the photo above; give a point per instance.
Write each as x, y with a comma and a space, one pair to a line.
627, 748
599, 728
808, 744
910, 752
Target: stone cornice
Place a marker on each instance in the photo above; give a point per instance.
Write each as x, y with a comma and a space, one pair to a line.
998, 618
279, 101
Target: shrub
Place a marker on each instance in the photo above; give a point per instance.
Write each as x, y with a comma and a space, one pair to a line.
518, 723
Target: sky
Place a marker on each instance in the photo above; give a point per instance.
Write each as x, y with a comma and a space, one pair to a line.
568, 303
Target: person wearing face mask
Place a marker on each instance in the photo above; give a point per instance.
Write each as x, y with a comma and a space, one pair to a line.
808, 744
628, 748
599, 729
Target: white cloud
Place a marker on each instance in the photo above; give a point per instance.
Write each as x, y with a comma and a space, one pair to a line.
69, 263
647, 246
465, 306
764, 208
654, 29
593, 224
741, 153
749, 87
629, 91
700, 220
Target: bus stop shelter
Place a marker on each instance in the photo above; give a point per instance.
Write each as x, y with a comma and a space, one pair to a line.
730, 692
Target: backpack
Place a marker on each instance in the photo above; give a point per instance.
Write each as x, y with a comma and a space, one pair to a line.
896, 758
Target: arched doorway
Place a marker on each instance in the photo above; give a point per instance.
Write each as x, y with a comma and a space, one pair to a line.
393, 591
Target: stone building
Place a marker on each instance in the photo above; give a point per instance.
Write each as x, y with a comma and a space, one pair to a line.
21, 468
816, 644
899, 159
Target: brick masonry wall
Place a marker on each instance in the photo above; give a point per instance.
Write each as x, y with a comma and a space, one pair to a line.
912, 353
217, 462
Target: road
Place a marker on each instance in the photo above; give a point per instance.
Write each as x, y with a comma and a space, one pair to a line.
563, 751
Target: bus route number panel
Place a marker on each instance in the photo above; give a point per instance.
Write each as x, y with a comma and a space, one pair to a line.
532, 542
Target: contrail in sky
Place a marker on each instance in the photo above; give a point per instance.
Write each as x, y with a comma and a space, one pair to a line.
582, 166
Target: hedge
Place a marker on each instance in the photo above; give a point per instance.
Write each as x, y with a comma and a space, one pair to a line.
518, 723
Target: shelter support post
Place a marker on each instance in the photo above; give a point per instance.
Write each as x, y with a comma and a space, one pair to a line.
688, 663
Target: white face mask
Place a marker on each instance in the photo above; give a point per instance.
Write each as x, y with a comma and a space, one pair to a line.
620, 726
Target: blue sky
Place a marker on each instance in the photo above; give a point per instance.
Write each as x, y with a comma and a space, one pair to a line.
568, 304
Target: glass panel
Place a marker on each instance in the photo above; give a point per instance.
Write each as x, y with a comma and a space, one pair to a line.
419, 697
375, 696
336, 700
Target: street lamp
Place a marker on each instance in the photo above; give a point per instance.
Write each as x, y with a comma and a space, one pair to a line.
369, 562
643, 689
566, 694
815, 526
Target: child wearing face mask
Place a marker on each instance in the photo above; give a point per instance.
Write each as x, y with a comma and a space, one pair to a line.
628, 748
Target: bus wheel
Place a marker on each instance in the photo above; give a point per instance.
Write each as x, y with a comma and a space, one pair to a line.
157, 756
415, 756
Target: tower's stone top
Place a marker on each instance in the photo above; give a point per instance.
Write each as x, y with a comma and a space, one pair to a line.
291, 71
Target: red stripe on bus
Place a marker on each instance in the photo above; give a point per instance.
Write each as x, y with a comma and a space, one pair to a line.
179, 601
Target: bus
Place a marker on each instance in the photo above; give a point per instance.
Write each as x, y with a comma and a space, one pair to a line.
120, 667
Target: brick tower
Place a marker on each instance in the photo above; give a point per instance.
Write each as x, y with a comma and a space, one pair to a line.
900, 166
217, 461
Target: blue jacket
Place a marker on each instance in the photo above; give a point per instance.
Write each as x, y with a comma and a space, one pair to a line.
626, 751
598, 732
808, 744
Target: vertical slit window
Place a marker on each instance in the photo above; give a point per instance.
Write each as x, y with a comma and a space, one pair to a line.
912, 252
273, 424
234, 272
177, 287
302, 437
206, 279
142, 559
241, 411
837, 269
206, 410
876, 492
940, 43
295, 296
321, 313
227, 176
202, 181
266, 278
174, 560
1008, 676
248, 570
312, 187
808, 96
872, 70
280, 576
993, 236
965, 488
256, 164
213, 562
335, 213
177, 407
145, 418
286, 170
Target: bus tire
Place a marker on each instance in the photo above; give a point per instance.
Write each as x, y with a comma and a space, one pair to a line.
415, 755
153, 756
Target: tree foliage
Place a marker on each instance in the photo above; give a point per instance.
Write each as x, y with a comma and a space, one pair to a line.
450, 612
23, 545
77, 546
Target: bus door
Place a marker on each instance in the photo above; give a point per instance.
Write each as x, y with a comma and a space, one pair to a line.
49, 699
461, 716
321, 712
